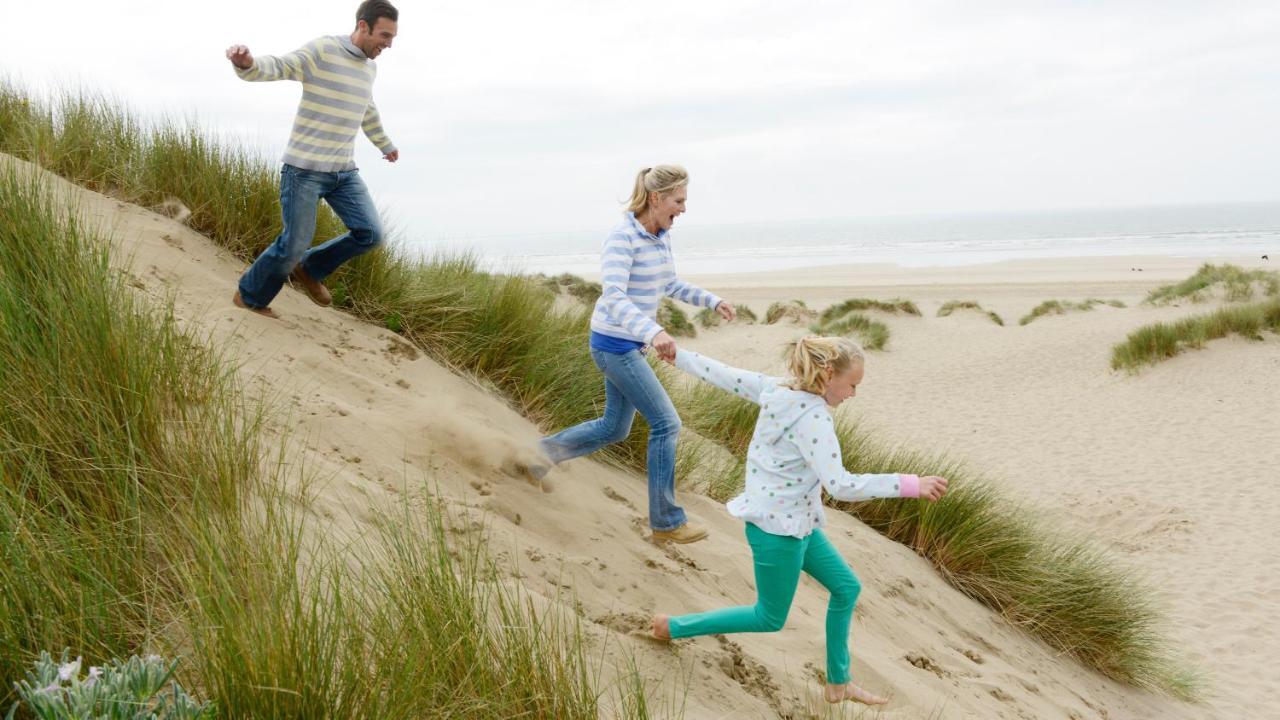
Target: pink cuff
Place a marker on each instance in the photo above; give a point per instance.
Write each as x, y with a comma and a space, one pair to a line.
910, 485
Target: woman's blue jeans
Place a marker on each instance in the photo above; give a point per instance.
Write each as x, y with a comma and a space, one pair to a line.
631, 385
300, 194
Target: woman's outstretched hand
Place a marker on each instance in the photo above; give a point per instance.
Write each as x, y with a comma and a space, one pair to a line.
932, 487
726, 310
665, 345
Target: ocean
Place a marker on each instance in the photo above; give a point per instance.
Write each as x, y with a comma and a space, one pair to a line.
920, 241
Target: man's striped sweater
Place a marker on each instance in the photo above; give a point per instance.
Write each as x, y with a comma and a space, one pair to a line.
337, 98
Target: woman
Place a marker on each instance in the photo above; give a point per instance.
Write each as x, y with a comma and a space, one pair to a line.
636, 273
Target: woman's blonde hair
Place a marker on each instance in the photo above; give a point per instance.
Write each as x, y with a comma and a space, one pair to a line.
813, 360
660, 179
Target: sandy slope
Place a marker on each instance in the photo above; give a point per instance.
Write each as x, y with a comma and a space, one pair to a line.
378, 421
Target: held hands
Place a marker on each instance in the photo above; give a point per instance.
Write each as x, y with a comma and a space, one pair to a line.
665, 346
932, 487
240, 56
726, 310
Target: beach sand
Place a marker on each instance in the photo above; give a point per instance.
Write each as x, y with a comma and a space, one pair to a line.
1172, 468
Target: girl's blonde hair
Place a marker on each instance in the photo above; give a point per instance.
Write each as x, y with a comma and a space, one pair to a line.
813, 360
660, 179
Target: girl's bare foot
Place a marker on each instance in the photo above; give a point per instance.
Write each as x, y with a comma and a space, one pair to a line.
660, 627
849, 691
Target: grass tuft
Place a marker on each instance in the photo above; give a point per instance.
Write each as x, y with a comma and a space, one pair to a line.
953, 305
674, 321
1150, 344
795, 311
1062, 307
1237, 285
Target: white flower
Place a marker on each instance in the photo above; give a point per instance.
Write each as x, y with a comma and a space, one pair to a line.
95, 672
69, 670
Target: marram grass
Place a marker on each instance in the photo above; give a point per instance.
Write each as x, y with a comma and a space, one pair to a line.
1237, 285
1062, 307
954, 305
1151, 344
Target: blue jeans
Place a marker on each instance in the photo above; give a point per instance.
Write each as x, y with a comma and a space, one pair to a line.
631, 385
300, 193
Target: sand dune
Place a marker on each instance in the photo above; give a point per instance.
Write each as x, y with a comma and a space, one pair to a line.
1036, 406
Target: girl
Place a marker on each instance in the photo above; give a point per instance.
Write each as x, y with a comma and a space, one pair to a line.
636, 272
793, 454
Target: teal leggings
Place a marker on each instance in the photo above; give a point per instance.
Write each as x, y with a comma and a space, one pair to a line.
779, 560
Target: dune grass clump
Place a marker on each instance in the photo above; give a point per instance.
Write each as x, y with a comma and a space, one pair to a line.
794, 310
1150, 344
848, 318
1237, 285
953, 305
674, 320
505, 330
113, 426
1062, 307
584, 290
709, 318
873, 334
893, 307
141, 513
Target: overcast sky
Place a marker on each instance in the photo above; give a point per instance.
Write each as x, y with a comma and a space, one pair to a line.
533, 116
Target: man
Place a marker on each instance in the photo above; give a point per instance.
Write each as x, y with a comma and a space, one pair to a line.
337, 76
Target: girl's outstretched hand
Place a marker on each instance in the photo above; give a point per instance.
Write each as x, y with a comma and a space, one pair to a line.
932, 487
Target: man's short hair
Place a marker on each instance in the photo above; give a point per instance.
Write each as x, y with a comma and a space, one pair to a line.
370, 10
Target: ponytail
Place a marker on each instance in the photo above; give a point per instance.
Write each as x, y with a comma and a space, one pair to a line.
813, 360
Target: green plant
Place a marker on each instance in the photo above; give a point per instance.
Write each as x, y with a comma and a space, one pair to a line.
674, 321
1150, 344
953, 305
1062, 307
795, 310
1239, 285
128, 690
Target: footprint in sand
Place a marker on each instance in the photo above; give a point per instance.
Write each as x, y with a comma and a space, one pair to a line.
398, 350
616, 497
751, 675
626, 623
924, 662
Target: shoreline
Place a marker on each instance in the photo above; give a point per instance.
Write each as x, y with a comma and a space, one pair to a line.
1039, 271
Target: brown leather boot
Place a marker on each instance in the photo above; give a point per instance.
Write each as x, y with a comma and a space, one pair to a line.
315, 289
263, 311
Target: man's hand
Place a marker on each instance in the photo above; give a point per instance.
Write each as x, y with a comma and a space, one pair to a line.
932, 487
392, 156
240, 56
665, 345
726, 311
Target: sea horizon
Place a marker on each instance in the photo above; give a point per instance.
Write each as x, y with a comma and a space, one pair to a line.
1200, 230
